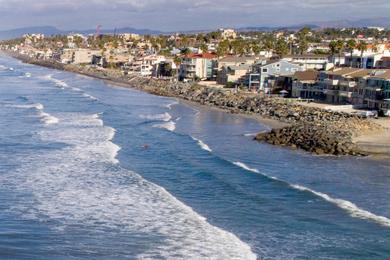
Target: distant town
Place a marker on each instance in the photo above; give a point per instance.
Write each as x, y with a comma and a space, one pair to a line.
347, 68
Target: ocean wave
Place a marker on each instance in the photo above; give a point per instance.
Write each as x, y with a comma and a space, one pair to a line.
59, 83
79, 185
76, 89
166, 117
170, 126
37, 106
250, 134
348, 206
89, 96
202, 144
169, 106
48, 119
246, 167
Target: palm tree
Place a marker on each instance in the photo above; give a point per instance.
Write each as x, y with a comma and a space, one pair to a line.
362, 47
340, 47
351, 45
333, 48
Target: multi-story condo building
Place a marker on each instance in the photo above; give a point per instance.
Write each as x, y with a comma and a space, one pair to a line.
198, 66
340, 85
374, 91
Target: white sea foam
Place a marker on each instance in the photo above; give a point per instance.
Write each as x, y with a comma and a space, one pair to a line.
76, 89
27, 75
202, 144
37, 106
169, 106
79, 185
250, 134
48, 119
59, 83
170, 126
89, 96
348, 206
245, 167
166, 117
2, 67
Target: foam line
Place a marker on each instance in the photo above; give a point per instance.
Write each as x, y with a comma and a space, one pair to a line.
202, 144
348, 206
351, 208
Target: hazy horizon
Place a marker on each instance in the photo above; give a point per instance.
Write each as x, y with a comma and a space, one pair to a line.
176, 15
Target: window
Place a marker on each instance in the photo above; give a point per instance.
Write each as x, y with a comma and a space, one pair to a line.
265, 70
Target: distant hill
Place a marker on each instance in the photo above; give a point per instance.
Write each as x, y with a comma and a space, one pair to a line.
15, 33
379, 22
50, 30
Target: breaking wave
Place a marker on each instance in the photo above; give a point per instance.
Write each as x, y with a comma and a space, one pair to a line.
82, 185
202, 144
166, 117
351, 208
348, 206
170, 126
48, 119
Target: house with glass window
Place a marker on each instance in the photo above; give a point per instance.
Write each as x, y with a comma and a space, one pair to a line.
375, 91
264, 76
198, 66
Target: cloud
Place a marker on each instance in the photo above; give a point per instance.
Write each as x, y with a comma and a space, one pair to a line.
183, 14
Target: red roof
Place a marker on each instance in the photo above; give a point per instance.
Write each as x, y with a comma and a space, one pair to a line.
201, 56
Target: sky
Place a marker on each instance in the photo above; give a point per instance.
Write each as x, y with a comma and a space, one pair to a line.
175, 15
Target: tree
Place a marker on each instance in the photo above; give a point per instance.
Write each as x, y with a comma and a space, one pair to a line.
340, 47
333, 48
350, 45
185, 51
362, 47
223, 48
256, 48
303, 45
238, 47
281, 47
204, 48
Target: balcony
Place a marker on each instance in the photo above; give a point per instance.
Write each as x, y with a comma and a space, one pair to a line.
346, 94
332, 82
349, 84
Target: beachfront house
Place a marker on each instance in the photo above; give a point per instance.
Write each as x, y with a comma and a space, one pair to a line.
305, 86
310, 61
263, 76
340, 85
375, 91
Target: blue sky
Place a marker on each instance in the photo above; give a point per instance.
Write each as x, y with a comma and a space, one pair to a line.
171, 15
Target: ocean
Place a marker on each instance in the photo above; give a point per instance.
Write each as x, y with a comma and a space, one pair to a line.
89, 170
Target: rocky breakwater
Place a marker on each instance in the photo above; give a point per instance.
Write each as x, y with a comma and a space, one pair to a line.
312, 129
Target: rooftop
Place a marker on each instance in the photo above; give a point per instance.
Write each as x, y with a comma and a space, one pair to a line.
201, 56
309, 75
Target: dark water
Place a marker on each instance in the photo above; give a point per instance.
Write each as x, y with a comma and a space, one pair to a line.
95, 171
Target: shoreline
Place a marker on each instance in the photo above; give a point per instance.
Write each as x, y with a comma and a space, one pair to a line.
314, 130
